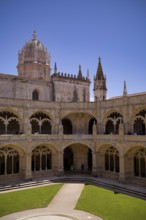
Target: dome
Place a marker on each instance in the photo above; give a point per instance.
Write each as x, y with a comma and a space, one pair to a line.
34, 60
34, 51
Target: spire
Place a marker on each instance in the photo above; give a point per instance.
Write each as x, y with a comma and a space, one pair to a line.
125, 89
55, 68
88, 75
99, 73
80, 73
34, 35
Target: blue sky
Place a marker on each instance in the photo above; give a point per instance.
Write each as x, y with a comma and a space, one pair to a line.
77, 32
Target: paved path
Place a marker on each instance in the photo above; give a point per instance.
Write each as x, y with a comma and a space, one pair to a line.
61, 207
67, 197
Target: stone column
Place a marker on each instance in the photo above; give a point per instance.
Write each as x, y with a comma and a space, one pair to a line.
27, 125
60, 169
60, 129
94, 129
28, 172
122, 169
94, 164
121, 129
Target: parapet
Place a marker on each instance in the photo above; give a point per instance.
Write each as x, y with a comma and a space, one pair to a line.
69, 76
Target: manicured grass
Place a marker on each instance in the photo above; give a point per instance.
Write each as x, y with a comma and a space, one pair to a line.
110, 206
27, 199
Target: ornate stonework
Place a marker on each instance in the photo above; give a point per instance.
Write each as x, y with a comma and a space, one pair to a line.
48, 126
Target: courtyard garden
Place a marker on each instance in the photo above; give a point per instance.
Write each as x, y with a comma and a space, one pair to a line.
95, 200
38, 197
111, 206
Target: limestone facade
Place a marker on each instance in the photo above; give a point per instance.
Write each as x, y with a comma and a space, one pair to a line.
48, 126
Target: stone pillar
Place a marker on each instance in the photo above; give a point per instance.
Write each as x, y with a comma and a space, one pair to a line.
94, 129
27, 125
100, 163
121, 129
94, 164
122, 169
28, 172
99, 128
60, 169
60, 129
127, 128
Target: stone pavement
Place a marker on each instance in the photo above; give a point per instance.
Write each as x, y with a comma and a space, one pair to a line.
61, 207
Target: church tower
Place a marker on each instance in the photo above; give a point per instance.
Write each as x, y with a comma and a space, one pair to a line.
99, 84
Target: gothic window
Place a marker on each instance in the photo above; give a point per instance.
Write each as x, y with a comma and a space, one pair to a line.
112, 123
140, 123
9, 161
9, 123
75, 95
140, 163
41, 123
112, 160
90, 126
67, 126
41, 159
35, 95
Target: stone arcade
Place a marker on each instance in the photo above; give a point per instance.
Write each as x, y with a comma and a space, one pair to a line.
48, 126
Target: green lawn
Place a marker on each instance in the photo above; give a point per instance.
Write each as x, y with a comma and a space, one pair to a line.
27, 199
110, 206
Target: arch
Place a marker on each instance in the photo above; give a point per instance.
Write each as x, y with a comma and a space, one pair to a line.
92, 121
52, 147
139, 124
35, 95
9, 123
41, 158
77, 158
135, 164
80, 121
112, 160
79, 143
11, 110
139, 161
45, 112
9, 161
67, 126
112, 123
41, 123
69, 114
